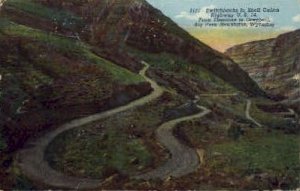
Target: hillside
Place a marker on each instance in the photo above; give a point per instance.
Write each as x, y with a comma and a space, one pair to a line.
114, 95
117, 24
39, 80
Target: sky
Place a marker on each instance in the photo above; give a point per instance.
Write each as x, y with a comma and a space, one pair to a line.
221, 38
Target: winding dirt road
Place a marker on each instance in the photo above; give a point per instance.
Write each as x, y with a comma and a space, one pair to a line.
183, 160
248, 116
219, 95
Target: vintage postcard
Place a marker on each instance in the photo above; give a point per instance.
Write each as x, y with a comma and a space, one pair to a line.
149, 94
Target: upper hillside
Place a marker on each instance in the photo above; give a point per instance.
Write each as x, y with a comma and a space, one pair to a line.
118, 24
52, 79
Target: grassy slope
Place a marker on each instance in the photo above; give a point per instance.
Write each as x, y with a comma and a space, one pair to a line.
97, 154
21, 79
281, 152
259, 152
69, 46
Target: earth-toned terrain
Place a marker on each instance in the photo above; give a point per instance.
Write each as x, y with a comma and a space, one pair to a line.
98, 94
274, 64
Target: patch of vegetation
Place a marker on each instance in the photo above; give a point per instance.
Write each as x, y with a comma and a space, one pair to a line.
20, 181
12, 95
260, 152
60, 17
121, 74
101, 154
34, 78
201, 133
238, 109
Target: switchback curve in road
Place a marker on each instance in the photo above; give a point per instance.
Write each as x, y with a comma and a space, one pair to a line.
184, 160
31, 158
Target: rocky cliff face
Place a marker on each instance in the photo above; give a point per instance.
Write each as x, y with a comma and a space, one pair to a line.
274, 63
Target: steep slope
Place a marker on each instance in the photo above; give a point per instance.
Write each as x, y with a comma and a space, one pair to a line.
147, 29
121, 24
273, 63
52, 79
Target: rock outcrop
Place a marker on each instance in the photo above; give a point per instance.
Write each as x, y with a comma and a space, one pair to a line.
274, 64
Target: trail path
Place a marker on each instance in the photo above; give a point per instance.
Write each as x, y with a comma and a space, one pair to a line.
219, 95
248, 116
183, 160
